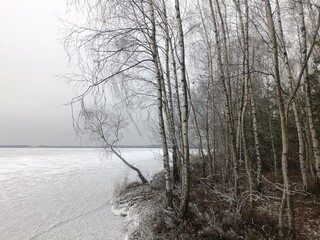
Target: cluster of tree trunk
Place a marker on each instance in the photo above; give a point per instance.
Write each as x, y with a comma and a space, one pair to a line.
236, 79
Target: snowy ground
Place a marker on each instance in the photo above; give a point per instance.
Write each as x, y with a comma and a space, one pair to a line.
64, 193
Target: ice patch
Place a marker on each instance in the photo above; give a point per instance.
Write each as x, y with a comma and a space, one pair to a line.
131, 217
119, 211
54, 193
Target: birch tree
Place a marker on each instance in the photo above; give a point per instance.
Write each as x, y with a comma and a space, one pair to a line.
226, 87
283, 119
107, 125
185, 174
304, 53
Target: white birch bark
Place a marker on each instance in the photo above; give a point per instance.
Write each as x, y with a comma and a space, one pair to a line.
297, 117
227, 95
169, 101
245, 88
185, 178
314, 137
283, 120
160, 82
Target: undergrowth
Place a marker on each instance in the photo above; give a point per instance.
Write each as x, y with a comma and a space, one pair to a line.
214, 211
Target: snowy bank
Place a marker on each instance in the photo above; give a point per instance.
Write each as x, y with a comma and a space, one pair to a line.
131, 203
136, 202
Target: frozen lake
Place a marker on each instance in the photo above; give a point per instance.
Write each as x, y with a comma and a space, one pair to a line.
64, 193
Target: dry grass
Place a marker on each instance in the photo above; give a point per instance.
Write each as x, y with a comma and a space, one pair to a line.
215, 213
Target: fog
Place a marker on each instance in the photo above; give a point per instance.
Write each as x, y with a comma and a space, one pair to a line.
31, 93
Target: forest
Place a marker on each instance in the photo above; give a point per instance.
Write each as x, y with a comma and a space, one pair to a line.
239, 80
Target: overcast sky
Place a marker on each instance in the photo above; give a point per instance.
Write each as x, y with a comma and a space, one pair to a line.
31, 56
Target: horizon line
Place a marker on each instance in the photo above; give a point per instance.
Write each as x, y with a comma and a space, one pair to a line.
76, 146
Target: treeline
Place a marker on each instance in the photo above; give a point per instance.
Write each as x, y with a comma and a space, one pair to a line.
238, 78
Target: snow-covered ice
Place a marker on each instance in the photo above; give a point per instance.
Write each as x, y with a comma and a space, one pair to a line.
64, 193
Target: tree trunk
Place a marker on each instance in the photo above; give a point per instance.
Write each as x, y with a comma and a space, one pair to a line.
244, 141
245, 87
210, 95
185, 175
179, 147
199, 135
315, 140
137, 170
275, 159
169, 100
228, 100
283, 120
297, 117
160, 81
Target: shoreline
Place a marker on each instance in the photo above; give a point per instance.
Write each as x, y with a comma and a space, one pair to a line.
214, 211
54, 146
